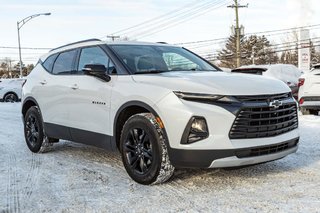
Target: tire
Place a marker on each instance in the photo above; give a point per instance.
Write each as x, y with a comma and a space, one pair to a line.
314, 112
144, 151
10, 97
35, 138
305, 111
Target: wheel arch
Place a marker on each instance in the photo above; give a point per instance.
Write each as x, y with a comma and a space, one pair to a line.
124, 113
10, 92
27, 104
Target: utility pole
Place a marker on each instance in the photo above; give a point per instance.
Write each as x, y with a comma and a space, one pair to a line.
236, 6
113, 37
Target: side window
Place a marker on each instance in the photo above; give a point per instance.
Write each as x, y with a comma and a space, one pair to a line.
111, 68
64, 62
48, 63
92, 55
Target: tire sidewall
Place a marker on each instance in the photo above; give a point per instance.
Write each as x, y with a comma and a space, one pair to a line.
138, 121
14, 95
35, 112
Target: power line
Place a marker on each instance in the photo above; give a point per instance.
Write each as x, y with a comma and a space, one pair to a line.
158, 17
26, 48
179, 18
255, 33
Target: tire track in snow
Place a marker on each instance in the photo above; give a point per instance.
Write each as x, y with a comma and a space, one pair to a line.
32, 176
13, 199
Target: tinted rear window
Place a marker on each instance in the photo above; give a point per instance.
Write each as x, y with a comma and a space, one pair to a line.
48, 64
64, 62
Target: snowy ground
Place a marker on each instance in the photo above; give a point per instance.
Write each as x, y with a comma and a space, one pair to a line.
78, 178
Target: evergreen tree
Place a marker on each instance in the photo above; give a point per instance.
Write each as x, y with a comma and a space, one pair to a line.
227, 56
254, 48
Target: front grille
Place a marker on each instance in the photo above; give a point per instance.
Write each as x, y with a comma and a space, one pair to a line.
258, 119
266, 150
262, 98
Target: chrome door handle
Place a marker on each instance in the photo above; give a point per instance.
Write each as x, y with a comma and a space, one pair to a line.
74, 87
43, 82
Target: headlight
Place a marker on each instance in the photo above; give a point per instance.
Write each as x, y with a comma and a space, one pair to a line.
195, 130
205, 98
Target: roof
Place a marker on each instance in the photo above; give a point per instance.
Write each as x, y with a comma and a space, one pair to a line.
90, 42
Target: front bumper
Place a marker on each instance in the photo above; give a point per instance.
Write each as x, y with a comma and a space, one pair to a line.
231, 157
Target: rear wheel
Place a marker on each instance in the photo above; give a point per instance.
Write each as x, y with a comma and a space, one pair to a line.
34, 133
143, 150
10, 97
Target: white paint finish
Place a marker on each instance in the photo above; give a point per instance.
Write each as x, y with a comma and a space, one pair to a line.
311, 87
89, 104
11, 86
219, 83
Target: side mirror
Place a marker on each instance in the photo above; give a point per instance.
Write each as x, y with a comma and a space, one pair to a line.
97, 70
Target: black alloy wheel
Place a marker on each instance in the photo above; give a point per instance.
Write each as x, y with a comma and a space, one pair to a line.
33, 129
138, 150
144, 151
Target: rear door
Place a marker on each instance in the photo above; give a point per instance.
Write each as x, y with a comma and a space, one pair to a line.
53, 93
90, 101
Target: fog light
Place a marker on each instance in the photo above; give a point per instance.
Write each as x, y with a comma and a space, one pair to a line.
195, 130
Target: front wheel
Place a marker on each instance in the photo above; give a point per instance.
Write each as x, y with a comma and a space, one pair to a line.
144, 151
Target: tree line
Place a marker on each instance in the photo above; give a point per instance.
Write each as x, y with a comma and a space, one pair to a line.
7, 70
259, 50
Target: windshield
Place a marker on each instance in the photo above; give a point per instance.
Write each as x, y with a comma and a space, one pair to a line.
142, 59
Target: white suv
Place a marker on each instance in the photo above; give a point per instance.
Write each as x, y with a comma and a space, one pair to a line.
162, 106
10, 89
309, 91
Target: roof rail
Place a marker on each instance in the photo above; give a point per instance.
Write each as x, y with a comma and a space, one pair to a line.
78, 42
162, 42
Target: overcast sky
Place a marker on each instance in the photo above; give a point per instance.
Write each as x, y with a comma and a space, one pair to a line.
82, 19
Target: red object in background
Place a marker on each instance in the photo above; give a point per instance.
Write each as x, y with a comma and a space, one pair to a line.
301, 82
301, 101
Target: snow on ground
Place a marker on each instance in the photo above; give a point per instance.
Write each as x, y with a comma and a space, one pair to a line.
78, 178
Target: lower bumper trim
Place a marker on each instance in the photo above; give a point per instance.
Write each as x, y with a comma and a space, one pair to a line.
182, 158
235, 161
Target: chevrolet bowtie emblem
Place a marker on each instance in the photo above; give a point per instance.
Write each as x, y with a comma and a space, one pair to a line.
275, 103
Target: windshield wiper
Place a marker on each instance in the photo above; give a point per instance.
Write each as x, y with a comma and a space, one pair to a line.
151, 71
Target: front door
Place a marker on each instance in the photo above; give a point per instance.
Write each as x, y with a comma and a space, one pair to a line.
89, 108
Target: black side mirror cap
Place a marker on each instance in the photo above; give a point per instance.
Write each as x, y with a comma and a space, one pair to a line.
97, 70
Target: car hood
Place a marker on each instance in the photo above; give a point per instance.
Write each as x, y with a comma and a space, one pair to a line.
219, 83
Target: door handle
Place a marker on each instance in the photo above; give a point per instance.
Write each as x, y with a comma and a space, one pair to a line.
43, 82
74, 87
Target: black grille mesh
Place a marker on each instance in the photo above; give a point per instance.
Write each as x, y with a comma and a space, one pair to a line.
261, 120
266, 150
